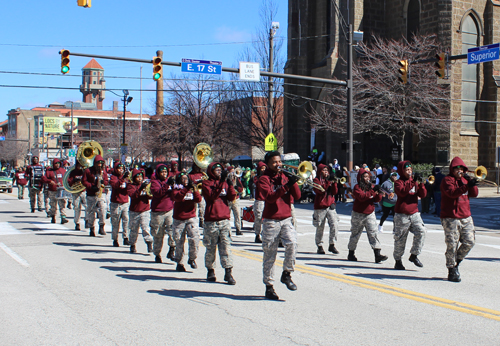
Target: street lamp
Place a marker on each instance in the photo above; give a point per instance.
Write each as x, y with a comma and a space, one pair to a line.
126, 100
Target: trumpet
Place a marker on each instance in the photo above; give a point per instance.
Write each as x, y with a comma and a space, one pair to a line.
305, 171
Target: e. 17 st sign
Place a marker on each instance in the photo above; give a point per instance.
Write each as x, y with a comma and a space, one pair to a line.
483, 54
201, 66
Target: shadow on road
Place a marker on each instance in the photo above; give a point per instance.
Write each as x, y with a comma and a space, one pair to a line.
145, 277
486, 259
396, 277
198, 294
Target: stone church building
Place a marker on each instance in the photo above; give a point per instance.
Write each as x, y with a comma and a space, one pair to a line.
316, 45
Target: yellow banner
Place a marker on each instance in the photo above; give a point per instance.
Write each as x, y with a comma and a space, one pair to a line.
59, 125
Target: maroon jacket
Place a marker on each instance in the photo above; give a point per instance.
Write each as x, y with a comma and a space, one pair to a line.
119, 184
90, 178
455, 194
196, 177
364, 201
162, 193
185, 203
139, 199
277, 195
324, 199
217, 194
75, 176
54, 175
408, 192
258, 192
21, 178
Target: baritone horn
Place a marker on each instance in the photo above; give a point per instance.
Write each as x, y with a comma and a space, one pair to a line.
304, 170
203, 155
480, 173
431, 179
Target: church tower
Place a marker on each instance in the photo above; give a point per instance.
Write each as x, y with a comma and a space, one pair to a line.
93, 84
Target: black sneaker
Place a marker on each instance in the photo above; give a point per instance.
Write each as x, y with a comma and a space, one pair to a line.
92, 232
158, 259
413, 258
53, 220
115, 243
192, 263
64, 220
77, 227
180, 268
286, 278
320, 250
332, 249
211, 275
133, 249
399, 265
229, 277
454, 275
126, 242
171, 253
270, 293
258, 239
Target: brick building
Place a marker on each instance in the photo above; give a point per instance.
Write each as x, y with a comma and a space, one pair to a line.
316, 43
89, 119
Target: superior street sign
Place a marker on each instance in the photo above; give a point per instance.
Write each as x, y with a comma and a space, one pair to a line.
201, 66
483, 54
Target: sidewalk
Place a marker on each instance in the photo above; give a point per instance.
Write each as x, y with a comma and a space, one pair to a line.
488, 192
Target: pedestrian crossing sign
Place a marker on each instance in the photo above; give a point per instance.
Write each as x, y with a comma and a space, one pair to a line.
271, 144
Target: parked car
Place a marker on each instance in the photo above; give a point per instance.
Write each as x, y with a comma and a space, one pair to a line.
5, 182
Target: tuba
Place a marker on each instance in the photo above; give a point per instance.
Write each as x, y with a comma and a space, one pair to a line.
87, 151
203, 155
75, 188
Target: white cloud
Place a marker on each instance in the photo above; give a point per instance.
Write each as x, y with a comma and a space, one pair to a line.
226, 34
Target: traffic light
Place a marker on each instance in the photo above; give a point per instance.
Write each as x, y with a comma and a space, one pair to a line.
64, 61
157, 68
440, 64
84, 3
403, 71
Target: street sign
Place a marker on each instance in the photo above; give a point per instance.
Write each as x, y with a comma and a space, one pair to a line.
2, 138
250, 71
124, 148
271, 144
71, 153
201, 66
481, 54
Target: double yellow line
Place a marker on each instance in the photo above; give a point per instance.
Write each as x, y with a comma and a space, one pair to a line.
399, 292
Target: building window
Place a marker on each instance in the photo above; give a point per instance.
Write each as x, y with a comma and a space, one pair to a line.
470, 39
412, 19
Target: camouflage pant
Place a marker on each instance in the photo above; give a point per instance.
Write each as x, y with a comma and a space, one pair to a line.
161, 224
403, 224
201, 210
46, 198
79, 199
35, 196
272, 232
183, 228
319, 220
139, 220
217, 233
294, 220
360, 221
119, 211
235, 207
455, 231
95, 205
54, 202
258, 209
20, 191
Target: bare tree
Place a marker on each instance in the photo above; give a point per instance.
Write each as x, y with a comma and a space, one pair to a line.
250, 106
382, 104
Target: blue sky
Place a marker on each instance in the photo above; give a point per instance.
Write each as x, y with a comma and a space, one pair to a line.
33, 32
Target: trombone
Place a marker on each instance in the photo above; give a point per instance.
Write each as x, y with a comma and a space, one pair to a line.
480, 173
305, 170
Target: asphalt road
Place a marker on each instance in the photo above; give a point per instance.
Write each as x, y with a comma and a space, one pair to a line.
60, 287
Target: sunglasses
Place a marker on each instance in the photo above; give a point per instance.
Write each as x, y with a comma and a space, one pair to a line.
459, 167
163, 168
408, 165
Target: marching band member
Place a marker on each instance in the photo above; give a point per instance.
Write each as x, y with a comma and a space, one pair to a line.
196, 176
389, 200
325, 208
186, 196
139, 210
278, 190
235, 205
363, 215
94, 180
162, 207
173, 169
119, 205
456, 190
79, 198
54, 179
218, 191
258, 204
20, 179
34, 174
406, 217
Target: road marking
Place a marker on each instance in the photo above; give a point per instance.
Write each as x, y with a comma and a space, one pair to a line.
399, 292
6, 229
14, 255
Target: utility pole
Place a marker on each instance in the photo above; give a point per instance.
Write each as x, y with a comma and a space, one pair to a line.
72, 125
270, 97
350, 122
